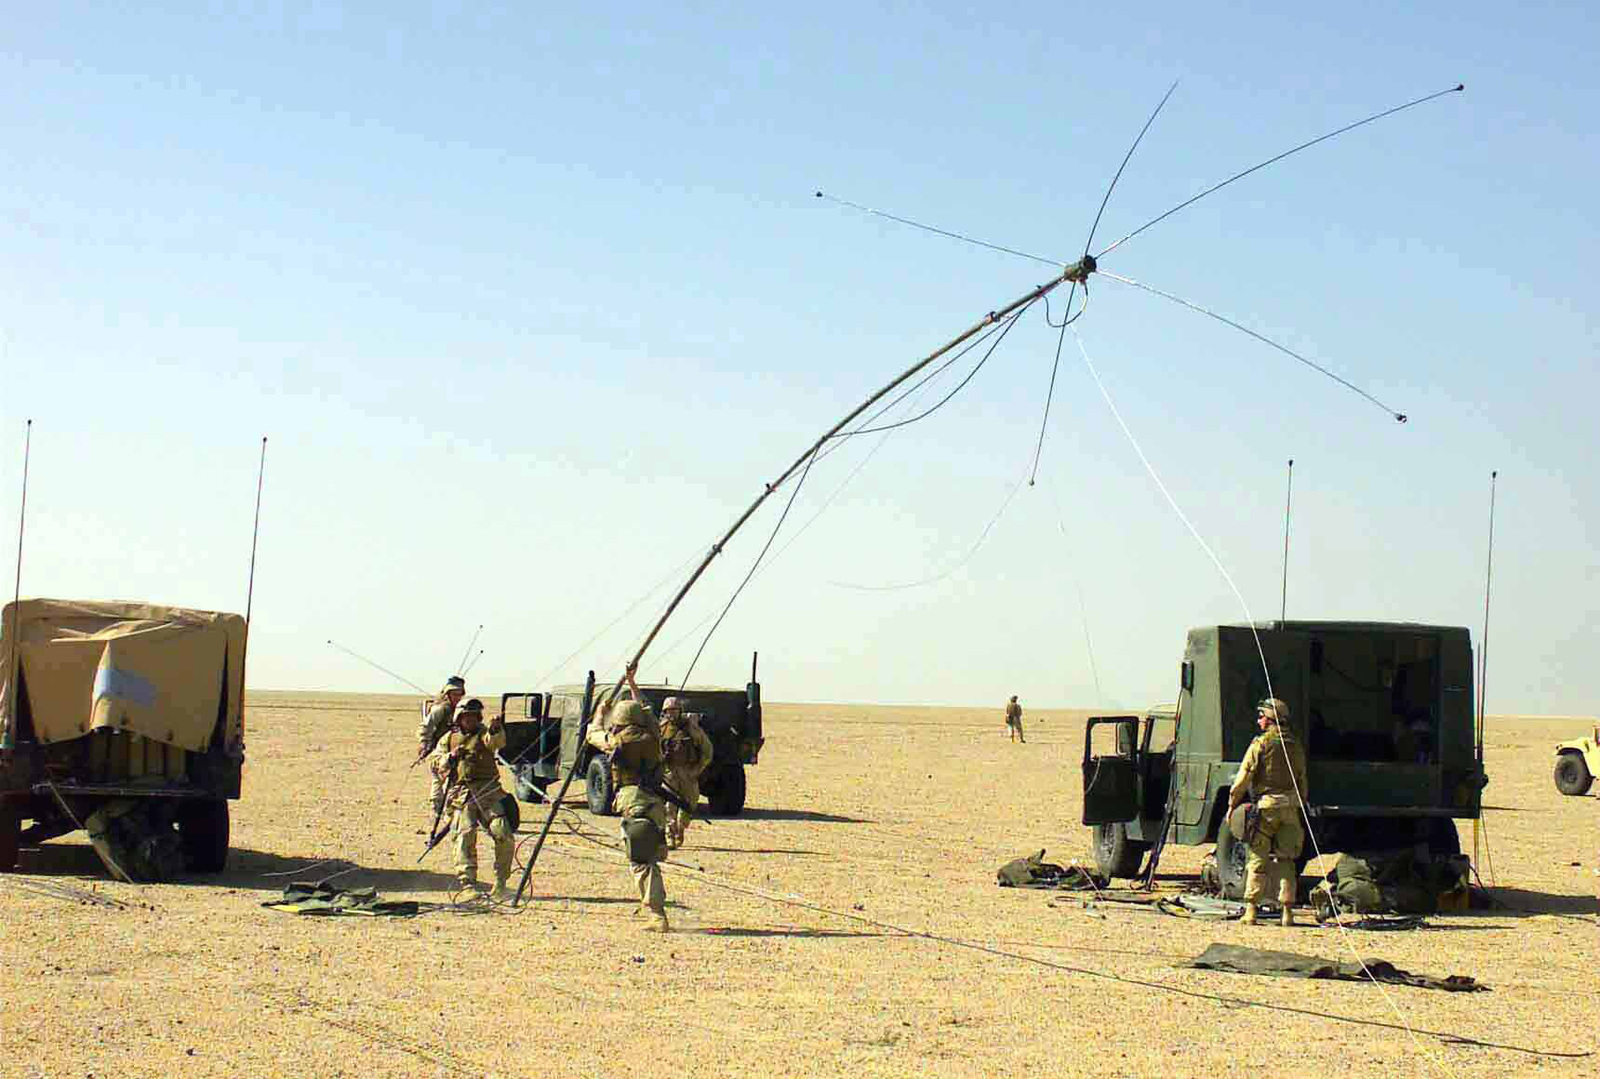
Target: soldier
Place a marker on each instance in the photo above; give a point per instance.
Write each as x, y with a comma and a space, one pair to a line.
434, 725
467, 757
1014, 719
1274, 771
687, 752
633, 743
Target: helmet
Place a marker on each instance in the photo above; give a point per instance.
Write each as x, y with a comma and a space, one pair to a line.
1273, 709
473, 706
1239, 821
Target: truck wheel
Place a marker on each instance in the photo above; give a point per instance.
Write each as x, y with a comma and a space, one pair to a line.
597, 785
203, 834
727, 794
1114, 853
1231, 863
10, 833
1572, 774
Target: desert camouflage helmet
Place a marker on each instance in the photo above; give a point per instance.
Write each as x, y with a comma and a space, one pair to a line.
474, 706
1274, 709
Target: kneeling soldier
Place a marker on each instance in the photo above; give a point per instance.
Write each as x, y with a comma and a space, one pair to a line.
634, 745
476, 796
1274, 768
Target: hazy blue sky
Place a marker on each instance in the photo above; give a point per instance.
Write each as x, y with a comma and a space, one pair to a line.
532, 302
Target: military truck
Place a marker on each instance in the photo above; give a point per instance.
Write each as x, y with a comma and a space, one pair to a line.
125, 720
1577, 763
1385, 712
542, 740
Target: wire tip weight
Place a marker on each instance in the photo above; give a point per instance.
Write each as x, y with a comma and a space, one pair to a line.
819, 195
1400, 417
1460, 86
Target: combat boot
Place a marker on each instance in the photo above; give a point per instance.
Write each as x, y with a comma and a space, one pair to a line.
657, 922
1286, 919
1249, 914
501, 893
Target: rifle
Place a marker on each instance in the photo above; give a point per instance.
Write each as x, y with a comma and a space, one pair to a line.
435, 834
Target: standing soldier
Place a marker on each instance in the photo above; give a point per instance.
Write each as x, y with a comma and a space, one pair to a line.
1014, 719
633, 743
434, 725
468, 766
1274, 771
687, 752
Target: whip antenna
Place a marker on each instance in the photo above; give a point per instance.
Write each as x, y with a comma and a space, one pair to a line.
1254, 168
1288, 496
464, 656
1483, 670
378, 667
16, 604
255, 534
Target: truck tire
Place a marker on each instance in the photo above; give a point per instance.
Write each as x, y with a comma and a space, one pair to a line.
10, 834
726, 794
1572, 773
597, 785
1230, 863
1115, 854
203, 834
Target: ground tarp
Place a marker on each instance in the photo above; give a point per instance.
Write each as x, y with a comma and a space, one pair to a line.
1236, 959
166, 673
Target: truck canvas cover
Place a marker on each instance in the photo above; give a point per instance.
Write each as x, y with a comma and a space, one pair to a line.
166, 673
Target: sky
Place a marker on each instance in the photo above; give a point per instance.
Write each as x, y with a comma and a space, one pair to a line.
531, 302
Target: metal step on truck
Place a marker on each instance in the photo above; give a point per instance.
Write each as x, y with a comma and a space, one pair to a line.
1384, 709
542, 740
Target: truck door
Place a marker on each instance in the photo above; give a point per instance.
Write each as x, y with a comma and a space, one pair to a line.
1111, 779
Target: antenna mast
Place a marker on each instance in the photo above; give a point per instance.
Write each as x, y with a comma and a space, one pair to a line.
255, 533
1483, 663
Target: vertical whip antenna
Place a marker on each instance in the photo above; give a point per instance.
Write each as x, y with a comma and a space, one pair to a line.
255, 535
1288, 497
1483, 663
16, 603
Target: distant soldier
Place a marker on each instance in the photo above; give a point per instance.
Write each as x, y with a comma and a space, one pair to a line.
1014, 719
434, 725
687, 752
633, 742
466, 761
1274, 773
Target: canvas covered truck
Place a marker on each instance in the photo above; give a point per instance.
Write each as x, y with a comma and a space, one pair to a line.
1384, 710
542, 740
1577, 763
125, 720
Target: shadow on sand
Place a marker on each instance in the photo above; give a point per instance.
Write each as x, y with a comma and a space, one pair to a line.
1521, 903
797, 815
736, 931
254, 870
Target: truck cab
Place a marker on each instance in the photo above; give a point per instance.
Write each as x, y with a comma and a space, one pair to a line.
1385, 711
542, 740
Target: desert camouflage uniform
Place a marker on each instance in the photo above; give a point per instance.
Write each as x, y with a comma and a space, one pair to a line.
429, 735
688, 753
1274, 768
1014, 719
634, 746
476, 800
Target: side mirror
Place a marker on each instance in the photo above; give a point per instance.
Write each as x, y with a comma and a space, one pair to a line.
1186, 676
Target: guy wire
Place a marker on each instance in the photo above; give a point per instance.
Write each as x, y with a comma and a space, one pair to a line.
377, 666
16, 605
1399, 417
1304, 145
1260, 652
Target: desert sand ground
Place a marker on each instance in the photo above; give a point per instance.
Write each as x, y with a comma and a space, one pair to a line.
849, 923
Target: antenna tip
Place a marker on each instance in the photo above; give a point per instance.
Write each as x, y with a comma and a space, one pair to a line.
1460, 86
1495, 473
819, 194
1400, 417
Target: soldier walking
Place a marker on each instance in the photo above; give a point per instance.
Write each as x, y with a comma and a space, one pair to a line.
475, 796
633, 744
433, 727
687, 751
1274, 773
1014, 719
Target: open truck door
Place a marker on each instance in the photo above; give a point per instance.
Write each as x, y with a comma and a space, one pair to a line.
1111, 780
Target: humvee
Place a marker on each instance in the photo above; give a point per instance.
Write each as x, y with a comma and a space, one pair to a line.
1577, 762
1384, 710
542, 740
126, 720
